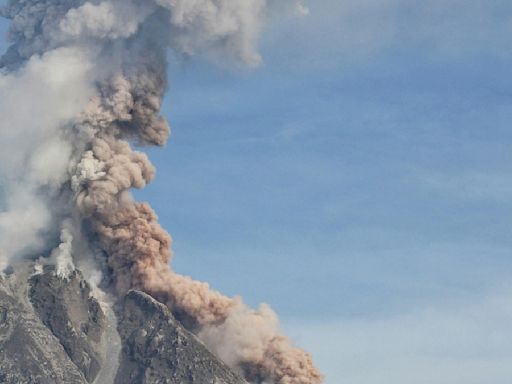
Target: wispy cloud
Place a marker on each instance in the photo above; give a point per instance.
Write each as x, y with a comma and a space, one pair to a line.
467, 343
342, 31
472, 185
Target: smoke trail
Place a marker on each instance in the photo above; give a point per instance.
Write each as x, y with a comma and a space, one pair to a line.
127, 40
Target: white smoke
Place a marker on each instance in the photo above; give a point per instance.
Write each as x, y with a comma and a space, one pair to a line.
62, 256
21, 224
37, 102
106, 20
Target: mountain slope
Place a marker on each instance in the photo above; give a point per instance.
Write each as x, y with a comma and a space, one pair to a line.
54, 331
157, 349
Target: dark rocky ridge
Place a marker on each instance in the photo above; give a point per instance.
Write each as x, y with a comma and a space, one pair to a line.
29, 352
69, 311
158, 350
52, 331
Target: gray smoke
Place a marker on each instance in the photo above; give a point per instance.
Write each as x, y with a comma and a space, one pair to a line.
86, 81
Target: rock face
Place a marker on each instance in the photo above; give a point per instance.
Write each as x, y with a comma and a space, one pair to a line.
157, 349
52, 331
29, 352
69, 311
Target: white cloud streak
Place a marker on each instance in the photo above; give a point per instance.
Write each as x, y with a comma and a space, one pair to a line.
465, 343
337, 33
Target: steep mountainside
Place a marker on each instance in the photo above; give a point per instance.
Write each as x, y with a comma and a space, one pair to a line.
53, 331
157, 349
29, 352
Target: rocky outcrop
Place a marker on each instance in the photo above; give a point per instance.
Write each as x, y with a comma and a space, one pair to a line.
158, 350
53, 331
29, 352
67, 308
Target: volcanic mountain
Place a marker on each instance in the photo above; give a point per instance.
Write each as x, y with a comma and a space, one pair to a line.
55, 330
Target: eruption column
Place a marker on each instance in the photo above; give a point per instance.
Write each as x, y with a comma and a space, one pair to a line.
128, 42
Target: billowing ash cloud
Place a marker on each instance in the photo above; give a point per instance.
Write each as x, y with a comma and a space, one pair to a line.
85, 81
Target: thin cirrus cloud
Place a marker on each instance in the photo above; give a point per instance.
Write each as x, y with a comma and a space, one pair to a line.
463, 343
337, 33
472, 186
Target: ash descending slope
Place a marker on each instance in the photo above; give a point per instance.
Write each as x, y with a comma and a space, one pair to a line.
53, 331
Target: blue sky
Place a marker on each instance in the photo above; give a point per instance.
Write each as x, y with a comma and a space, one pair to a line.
359, 181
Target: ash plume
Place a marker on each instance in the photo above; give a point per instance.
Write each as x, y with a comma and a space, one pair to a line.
95, 72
